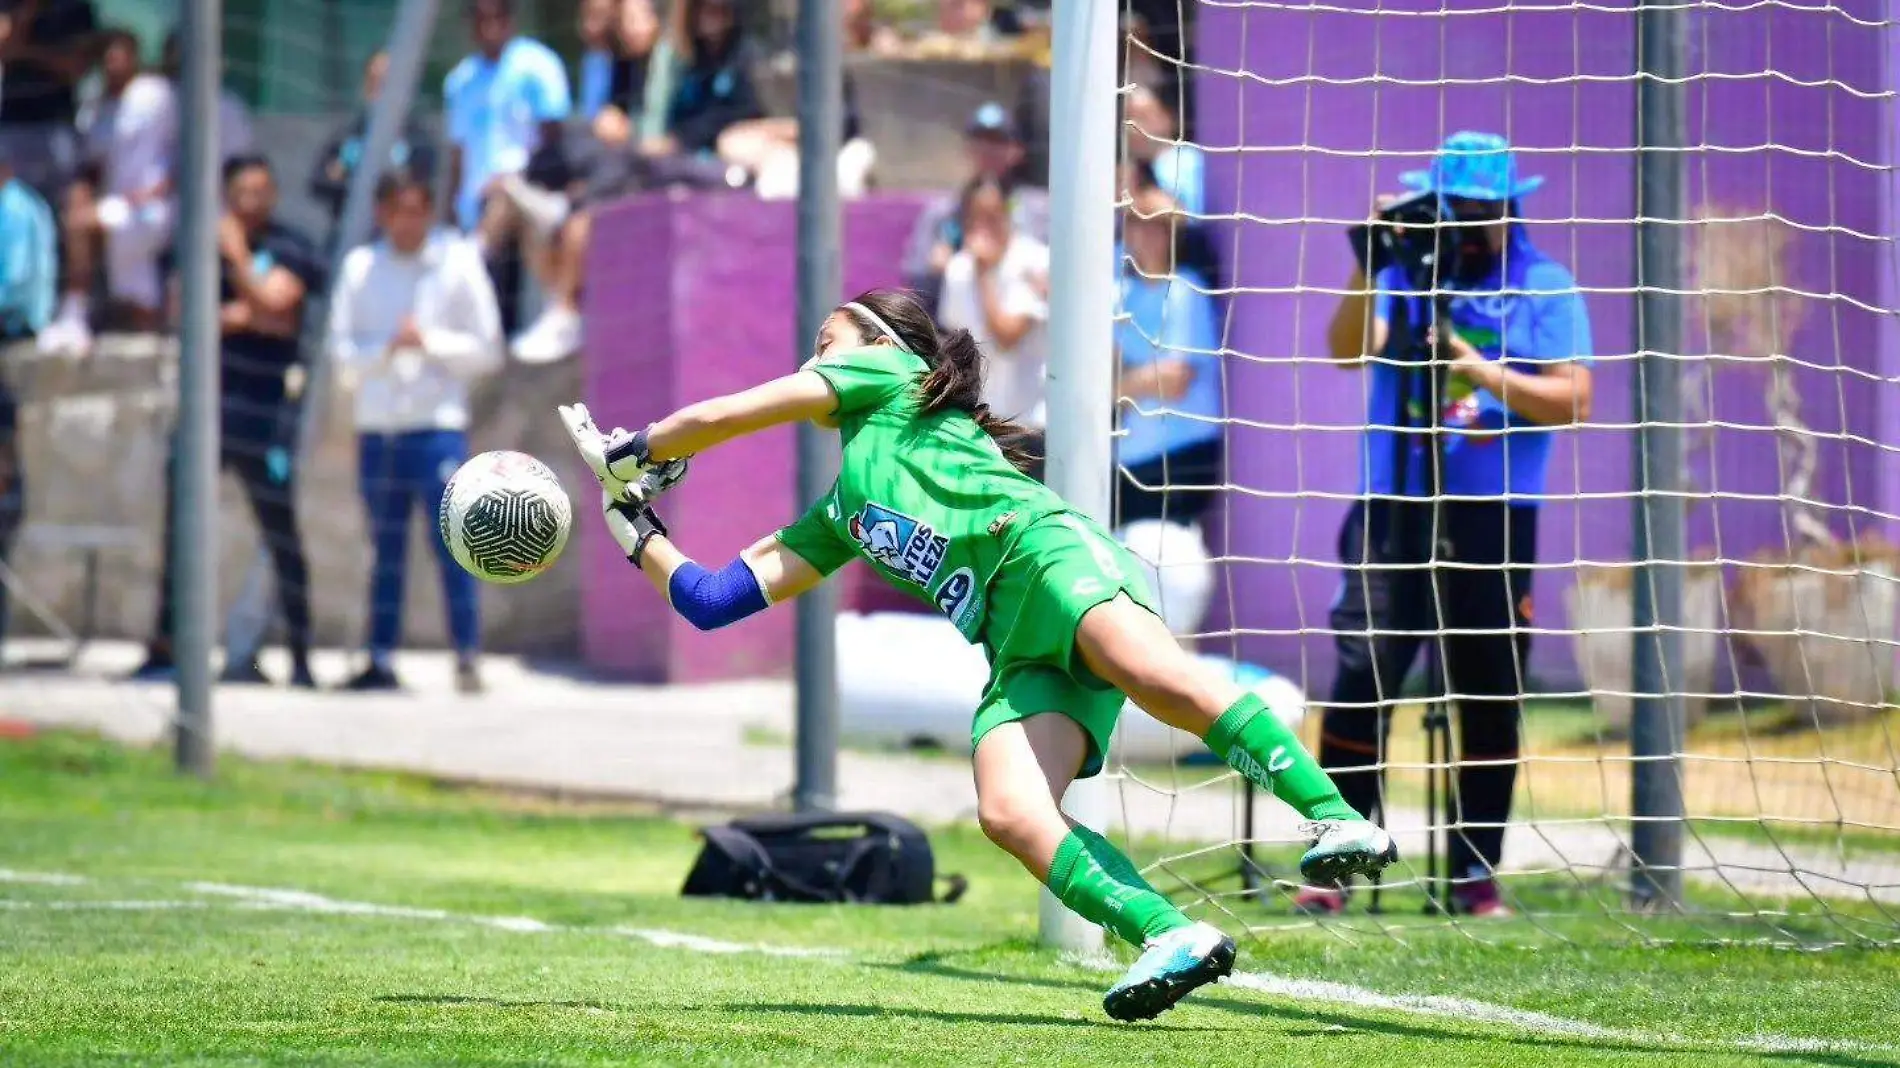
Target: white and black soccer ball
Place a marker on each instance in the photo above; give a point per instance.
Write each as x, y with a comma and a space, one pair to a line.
505, 517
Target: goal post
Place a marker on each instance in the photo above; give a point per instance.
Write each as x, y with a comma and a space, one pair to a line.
1082, 124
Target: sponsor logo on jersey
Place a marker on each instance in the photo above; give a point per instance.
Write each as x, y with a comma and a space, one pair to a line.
1001, 523
956, 598
897, 541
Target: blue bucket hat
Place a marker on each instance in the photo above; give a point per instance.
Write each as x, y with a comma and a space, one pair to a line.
1474, 166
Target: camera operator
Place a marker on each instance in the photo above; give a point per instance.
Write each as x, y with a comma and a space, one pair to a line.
1492, 334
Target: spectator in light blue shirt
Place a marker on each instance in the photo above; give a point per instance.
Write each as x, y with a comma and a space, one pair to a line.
596, 26
505, 105
1179, 169
1171, 455
1153, 138
28, 264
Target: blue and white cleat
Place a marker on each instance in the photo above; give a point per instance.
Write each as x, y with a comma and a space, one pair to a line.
1345, 848
1169, 969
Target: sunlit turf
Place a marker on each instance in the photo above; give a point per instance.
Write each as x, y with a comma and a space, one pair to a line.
94, 970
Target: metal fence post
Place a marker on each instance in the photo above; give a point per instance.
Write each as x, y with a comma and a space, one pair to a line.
820, 278
194, 503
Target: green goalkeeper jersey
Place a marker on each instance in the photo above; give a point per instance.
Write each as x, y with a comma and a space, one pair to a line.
929, 500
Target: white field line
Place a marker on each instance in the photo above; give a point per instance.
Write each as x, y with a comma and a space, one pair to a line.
264, 897
99, 906
1317, 991
1327, 992
46, 878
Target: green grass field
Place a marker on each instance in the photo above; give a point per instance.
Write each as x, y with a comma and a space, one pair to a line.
294, 915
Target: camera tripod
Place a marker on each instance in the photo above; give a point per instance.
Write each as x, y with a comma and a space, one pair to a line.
1412, 534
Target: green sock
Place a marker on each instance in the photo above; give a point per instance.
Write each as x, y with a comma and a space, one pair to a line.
1100, 884
1253, 741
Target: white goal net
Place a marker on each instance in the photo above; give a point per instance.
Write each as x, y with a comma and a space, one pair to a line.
1299, 116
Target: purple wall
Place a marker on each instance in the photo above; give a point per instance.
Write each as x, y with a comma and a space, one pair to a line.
1301, 143
691, 297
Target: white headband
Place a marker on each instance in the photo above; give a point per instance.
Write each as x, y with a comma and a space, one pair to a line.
882, 326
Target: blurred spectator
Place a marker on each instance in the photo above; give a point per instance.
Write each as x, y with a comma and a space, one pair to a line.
412, 151
1153, 140
1178, 168
266, 273
29, 263
1145, 65
967, 29
413, 321
607, 158
865, 33
995, 150
715, 88
505, 106
1168, 344
1170, 455
234, 119
120, 209
27, 269
765, 151
996, 287
12, 482
46, 47
595, 25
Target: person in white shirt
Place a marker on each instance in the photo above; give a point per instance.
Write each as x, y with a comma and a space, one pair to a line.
997, 288
121, 210
235, 137
413, 323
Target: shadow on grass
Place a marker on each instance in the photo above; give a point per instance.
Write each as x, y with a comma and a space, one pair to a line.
937, 964
494, 1003
1028, 1019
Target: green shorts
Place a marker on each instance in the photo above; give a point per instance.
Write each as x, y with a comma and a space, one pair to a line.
1060, 567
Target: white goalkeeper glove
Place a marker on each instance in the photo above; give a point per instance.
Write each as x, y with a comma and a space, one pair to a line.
632, 524
619, 460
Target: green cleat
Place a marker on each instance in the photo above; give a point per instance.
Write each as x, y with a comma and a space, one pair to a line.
1344, 848
1169, 969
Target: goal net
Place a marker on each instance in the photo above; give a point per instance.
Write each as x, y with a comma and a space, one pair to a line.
1789, 767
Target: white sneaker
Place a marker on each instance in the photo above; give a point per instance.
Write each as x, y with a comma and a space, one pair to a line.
544, 209
66, 336
556, 335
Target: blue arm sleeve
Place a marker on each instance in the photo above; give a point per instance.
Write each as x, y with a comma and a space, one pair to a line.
713, 599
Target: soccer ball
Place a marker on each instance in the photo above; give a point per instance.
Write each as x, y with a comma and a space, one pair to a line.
505, 517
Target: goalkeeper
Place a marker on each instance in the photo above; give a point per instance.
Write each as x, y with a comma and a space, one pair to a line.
932, 494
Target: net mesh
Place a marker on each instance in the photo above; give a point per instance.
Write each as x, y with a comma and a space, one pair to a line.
1304, 113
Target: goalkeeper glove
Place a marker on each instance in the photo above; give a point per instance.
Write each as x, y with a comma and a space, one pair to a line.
632, 524
620, 461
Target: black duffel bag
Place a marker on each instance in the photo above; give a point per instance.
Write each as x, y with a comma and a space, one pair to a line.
864, 858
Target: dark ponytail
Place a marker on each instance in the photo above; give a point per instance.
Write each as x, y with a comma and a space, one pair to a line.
955, 381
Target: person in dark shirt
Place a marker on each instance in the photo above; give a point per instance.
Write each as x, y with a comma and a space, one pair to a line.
267, 272
715, 88
12, 490
46, 47
413, 151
